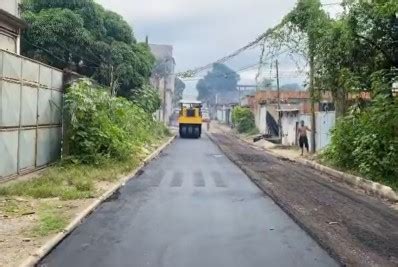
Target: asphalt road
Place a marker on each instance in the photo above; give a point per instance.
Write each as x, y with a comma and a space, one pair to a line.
190, 207
357, 228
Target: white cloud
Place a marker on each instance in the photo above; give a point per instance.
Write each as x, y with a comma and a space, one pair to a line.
203, 31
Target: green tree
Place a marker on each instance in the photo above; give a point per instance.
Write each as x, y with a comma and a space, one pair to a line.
220, 80
38, 5
147, 99
344, 52
356, 47
243, 120
81, 35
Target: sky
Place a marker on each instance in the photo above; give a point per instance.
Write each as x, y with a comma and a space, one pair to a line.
202, 31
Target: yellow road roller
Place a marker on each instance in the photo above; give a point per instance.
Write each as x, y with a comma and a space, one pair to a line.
190, 119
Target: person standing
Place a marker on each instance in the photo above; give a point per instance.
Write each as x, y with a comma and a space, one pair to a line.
303, 139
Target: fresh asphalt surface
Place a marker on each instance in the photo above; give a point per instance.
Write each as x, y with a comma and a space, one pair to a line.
192, 207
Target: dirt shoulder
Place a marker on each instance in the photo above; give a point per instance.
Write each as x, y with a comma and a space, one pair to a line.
356, 229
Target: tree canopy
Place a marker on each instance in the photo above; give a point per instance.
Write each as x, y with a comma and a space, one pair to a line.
84, 37
220, 80
357, 51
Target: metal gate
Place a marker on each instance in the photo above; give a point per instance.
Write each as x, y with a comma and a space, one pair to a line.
325, 122
30, 114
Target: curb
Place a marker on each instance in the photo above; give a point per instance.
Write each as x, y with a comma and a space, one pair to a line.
39, 254
370, 187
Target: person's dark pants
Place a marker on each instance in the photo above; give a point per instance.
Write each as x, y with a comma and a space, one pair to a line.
303, 141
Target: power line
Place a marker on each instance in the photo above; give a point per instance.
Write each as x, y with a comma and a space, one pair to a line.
248, 67
230, 56
250, 45
243, 68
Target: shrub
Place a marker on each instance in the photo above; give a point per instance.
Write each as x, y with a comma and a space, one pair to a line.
147, 98
366, 141
101, 126
243, 119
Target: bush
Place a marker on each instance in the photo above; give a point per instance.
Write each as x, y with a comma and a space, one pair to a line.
366, 141
101, 126
147, 98
243, 120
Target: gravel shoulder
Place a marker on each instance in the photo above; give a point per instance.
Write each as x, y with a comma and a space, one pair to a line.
356, 229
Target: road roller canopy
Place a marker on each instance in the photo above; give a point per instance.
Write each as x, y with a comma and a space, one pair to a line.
191, 103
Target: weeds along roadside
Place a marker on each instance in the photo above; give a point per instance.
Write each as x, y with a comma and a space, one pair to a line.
107, 137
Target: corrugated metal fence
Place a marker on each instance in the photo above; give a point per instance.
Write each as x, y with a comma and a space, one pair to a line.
30, 114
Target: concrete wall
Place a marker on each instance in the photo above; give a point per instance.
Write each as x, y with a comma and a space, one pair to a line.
9, 32
260, 115
224, 114
30, 114
287, 96
9, 36
289, 122
8, 42
325, 121
261, 122
11, 6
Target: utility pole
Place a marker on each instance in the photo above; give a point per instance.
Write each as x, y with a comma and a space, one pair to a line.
312, 95
165, 76
279, 100
164, 98
240, 96
112, 78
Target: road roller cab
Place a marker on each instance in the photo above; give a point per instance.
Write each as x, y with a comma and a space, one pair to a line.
190, 119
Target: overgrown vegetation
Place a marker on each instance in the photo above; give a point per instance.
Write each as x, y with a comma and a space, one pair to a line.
107, 136
243, 120
366, 141
351, 53
102, 126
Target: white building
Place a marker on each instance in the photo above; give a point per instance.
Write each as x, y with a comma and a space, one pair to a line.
10, 25
163, 78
